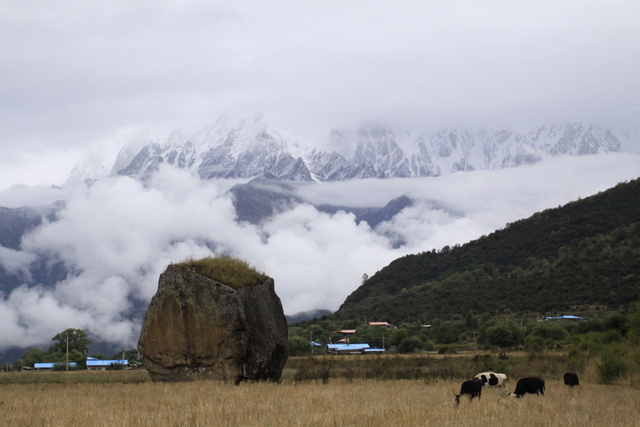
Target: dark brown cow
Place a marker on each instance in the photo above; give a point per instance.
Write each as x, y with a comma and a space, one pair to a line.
571, 379
531, 385
472, 388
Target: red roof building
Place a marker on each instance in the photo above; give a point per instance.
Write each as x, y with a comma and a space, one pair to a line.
386, 325
345, 331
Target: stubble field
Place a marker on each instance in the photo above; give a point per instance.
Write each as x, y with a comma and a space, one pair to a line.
311, 403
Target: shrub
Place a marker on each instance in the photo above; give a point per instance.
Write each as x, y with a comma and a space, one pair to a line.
489, 363
397, 336
410, 344
301, 374
298, 345
617, 321
348, 374
500, 336
551, 330
533, 344
115, 367
324, 373
576, 360
634, 324
611, 336
428, 346
226, 270
445, 349
305, 373
611, 367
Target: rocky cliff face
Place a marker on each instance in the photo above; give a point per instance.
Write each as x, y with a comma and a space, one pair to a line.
197, 328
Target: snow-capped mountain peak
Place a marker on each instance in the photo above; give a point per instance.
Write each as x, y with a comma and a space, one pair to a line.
253, 147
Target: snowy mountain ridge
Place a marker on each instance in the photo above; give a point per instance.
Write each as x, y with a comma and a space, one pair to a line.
254, 147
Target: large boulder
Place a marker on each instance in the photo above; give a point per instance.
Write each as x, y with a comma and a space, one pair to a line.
198, 328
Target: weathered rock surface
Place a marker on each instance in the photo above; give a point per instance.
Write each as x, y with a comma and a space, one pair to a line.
197, 328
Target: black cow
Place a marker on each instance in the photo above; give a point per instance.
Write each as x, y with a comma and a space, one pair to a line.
472, 387
532, 385
571, 379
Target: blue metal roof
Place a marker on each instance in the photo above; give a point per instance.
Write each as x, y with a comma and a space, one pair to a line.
50, 365
567, 316
374, 350
347, 346
96, 362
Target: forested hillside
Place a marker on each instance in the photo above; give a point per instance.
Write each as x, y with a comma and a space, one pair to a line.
583, 254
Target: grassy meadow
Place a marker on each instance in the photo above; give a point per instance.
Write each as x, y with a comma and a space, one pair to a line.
129, 398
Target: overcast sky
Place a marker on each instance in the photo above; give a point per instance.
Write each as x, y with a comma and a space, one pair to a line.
75, 73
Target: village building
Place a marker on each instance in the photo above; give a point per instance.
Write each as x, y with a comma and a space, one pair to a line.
385, 325
567, 317
102, 365
47, 366
352, 349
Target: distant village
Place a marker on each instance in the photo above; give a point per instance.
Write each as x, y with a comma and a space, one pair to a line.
92, 363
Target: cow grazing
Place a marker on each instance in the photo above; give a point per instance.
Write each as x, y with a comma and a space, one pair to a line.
473, 388
493, 379
531, 385
571, 379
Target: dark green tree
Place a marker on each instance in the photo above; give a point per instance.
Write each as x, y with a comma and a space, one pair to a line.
397, 335
505, 334
533, 344
552, 330
500, 335
31, 356
634, 324
410, 344
617, 321
470, 321
78, 340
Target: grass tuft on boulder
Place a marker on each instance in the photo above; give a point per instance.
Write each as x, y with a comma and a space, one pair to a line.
229, 271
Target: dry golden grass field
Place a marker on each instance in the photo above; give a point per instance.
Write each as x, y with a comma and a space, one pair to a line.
139, 402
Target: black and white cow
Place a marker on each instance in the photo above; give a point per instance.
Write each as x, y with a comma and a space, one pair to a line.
473, 388
493, 379
571, 379
531, 385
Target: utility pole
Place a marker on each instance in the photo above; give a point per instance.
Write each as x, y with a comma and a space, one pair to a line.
67, 352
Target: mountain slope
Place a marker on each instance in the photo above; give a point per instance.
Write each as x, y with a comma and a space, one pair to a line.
266, 195
45, 268
584, 253
14, 223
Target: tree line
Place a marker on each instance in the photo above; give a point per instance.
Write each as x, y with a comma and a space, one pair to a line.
611, 337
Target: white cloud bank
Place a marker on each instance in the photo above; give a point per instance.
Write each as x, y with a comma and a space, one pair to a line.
117, 236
